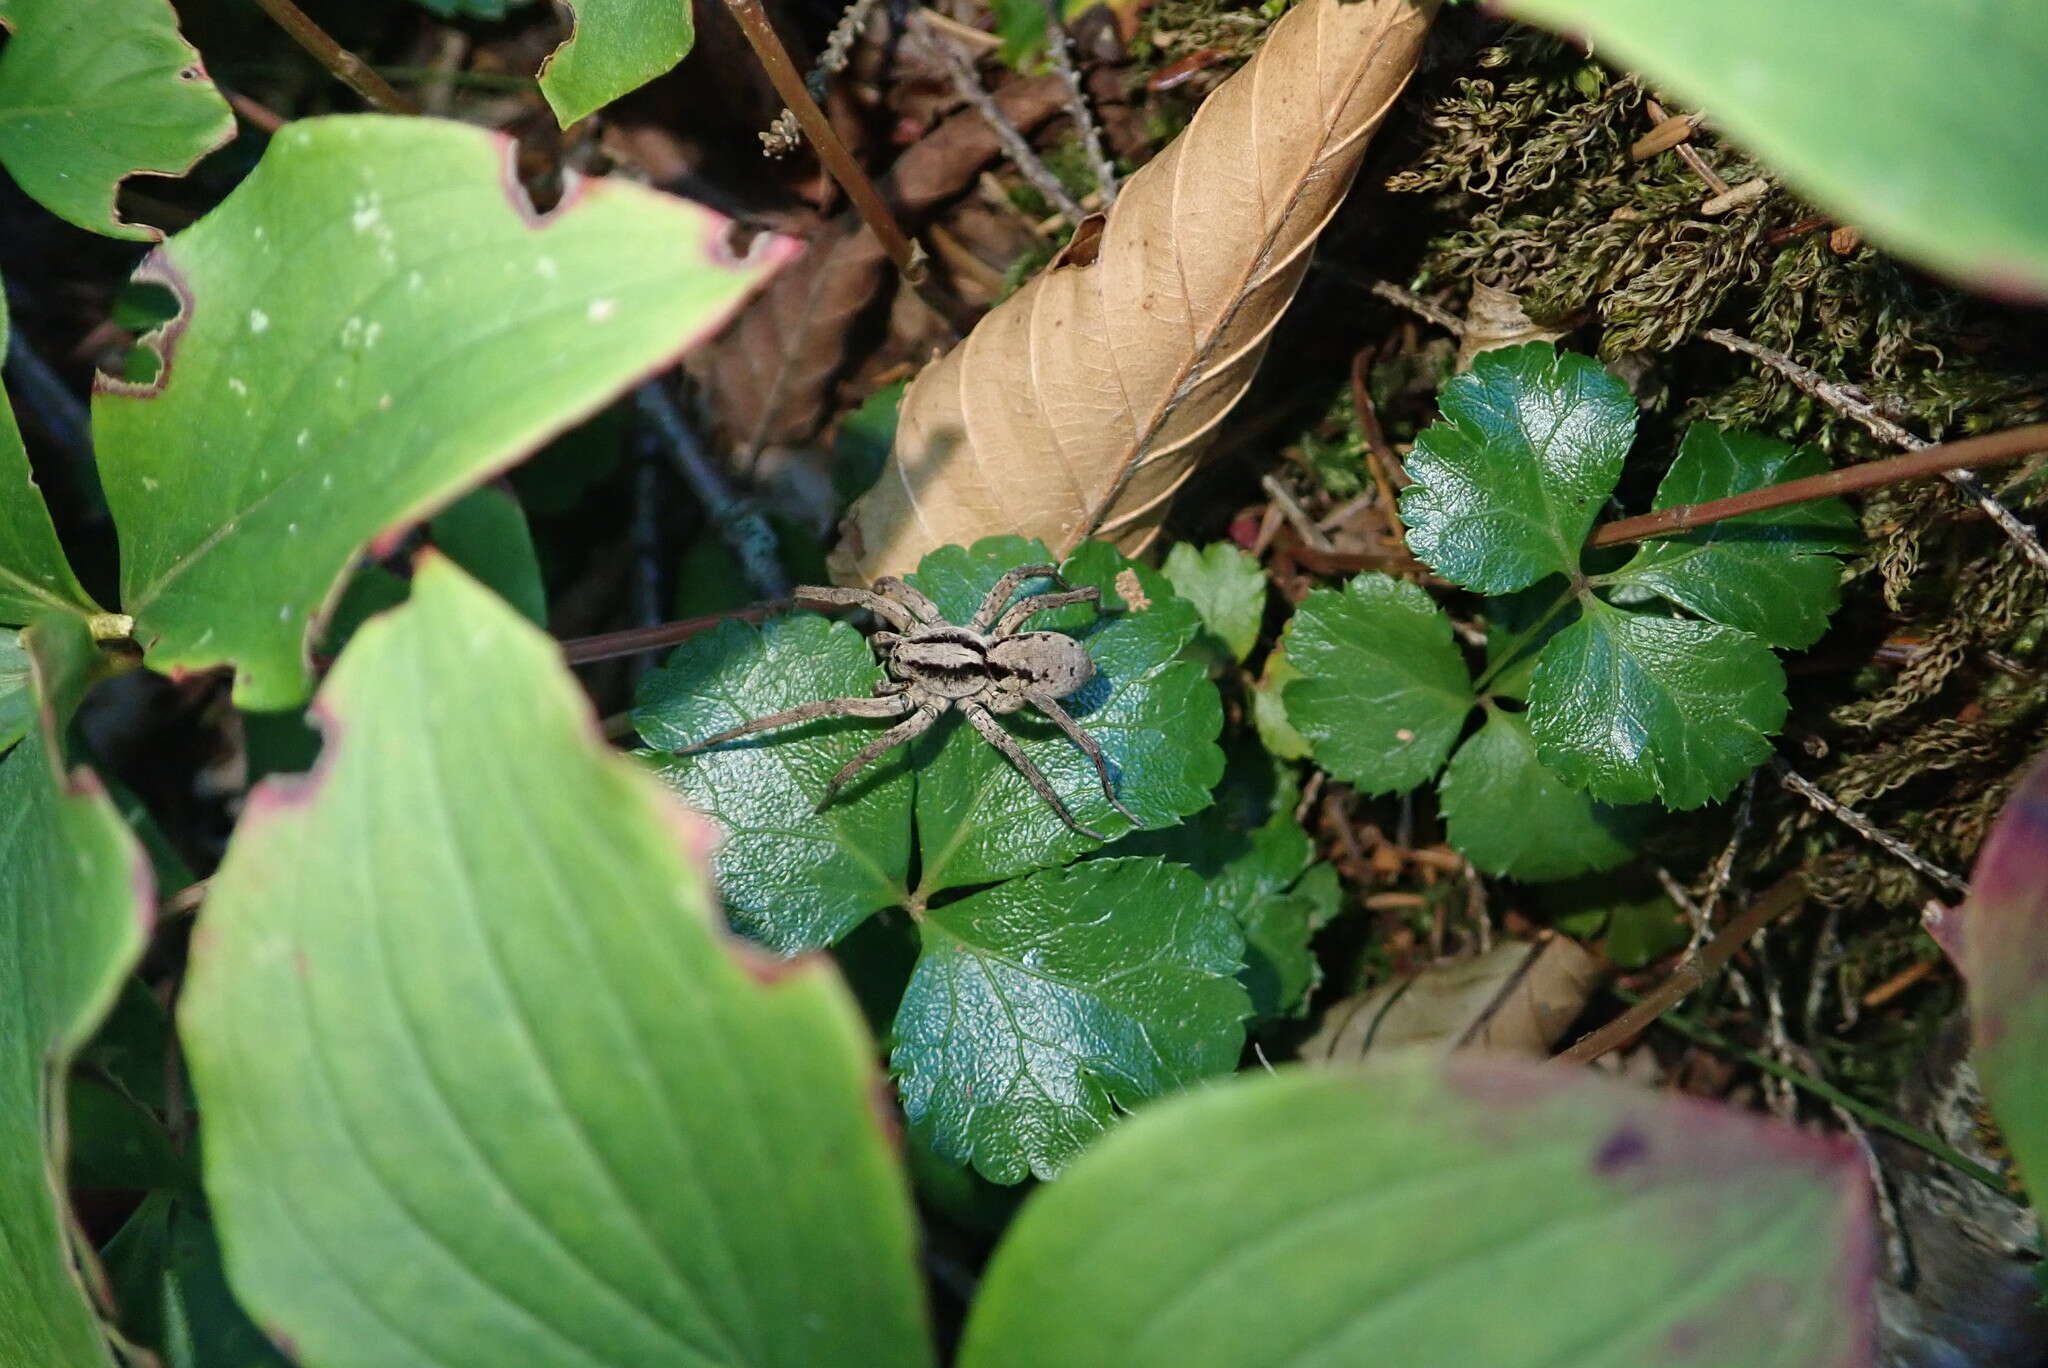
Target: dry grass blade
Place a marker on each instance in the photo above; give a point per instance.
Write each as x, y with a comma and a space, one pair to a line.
1081, 404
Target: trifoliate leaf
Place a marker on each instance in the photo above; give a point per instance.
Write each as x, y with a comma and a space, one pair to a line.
1155, 716
1632, 707
1772, 574
1517, 626
34, 574
791, 876
1227, 587
1508, 483
1509, 815
1041, 1007
1383, 691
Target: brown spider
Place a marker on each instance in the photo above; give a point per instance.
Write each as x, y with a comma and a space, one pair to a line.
984, 668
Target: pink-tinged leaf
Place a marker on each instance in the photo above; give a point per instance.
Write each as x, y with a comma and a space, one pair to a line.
2005, 961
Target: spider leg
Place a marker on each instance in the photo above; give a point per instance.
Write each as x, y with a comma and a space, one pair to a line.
1027, 608
923, 609
887, 609
893, 706
908, 729
1007, 586
1050, 706
992, 732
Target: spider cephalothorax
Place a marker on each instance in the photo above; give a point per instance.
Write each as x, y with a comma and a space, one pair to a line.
984, 667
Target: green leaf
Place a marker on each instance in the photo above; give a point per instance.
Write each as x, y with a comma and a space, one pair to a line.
1916, 120
861, 447
1632, 707
791, 876
1383, 691
1772, 574
1269, 707
1227, 587
614, 48
1508, 482
17, 708
1280, 968
485, 532
1510, 1215
34, 575
1155, 716
75, 903
93, 91
472, 9
1509, 815
165, 1272
1040, 1008
460, 1009
371, 324
115, 1143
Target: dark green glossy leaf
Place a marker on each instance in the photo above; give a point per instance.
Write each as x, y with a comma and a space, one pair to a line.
1509, 815
165, 1271
35, 577
1632, 707
614, 47
1383, 691
1772, 574
1226, 586
1508, 483
1041, 1007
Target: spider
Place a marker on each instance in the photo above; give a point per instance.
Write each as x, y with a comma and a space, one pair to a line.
987, 667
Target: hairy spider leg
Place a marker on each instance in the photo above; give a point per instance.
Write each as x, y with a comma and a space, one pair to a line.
1026, 609
920, 607
1007, 586
992, 731
894, 705
897, 615
909, 729
1047, 704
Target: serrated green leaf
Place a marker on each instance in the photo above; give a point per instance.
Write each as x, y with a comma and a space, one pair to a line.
1041, 1007
614, 47
17, 709
1383, 691
1412, 1213
75, 903
1226, 586
35, 577
459, 1009
1772, 574
1508, 482
1155, 716
791, 876
1509, 815
372, 324
1915, 120
94, 91
1631, 707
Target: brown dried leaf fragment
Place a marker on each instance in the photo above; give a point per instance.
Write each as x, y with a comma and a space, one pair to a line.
1081, 404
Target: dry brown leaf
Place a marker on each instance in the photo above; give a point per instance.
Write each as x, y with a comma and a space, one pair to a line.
1515, 999
1494, 319
1081, 404
769, 372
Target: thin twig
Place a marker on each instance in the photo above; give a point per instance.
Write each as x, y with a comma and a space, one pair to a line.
351, 70
1060, 44
1295, 515
634, 640
969, 87
1849, 817
1851, 403
1692, 972
782, 137
1395, 295
1689, 153
1945, 458
742, 526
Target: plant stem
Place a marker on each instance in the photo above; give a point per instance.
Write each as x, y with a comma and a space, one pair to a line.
1990, 449
1532, 635
1693, 970
351, 70
610, 645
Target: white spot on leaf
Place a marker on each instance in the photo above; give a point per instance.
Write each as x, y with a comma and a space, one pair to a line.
259, 321
601, 309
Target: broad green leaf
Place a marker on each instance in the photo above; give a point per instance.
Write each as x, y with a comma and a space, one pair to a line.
485, 532
2005, 963
1631, 707
1383, 691
1269, 707
1155, 716
17, 708
1280, 968
93, 91
372, 323
1915, 119
1227, 587
861, 447
1509, 815
459, 1009
115, 1144
1043, 1006
791, 876
1413, 1213
75, 905
1508, 482
614, 47
165, 1271
1772, 574
34, 575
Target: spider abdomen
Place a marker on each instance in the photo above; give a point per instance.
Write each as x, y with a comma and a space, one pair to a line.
1050, 661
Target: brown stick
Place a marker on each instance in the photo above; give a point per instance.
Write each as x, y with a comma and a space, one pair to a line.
1692, 972
351, 70
1989, 449
634, 640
